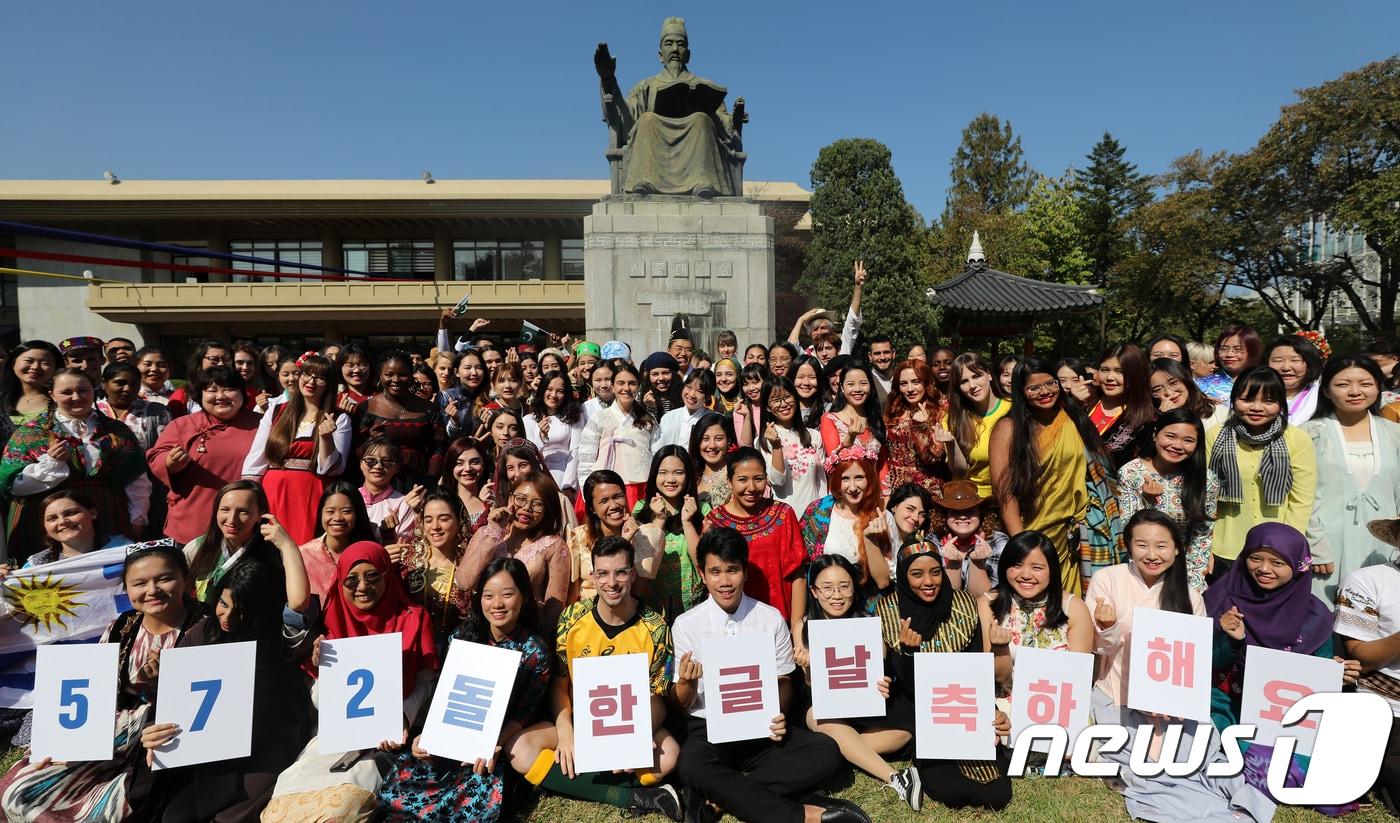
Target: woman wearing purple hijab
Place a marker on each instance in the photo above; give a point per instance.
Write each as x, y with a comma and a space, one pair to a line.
1265, 599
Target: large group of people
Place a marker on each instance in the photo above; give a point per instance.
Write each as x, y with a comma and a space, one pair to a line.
584, 499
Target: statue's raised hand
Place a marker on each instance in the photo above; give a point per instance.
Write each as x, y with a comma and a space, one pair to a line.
604, 62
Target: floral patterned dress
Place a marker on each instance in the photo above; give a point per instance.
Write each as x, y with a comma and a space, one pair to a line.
1026, 625
1131, 500
677, 586
916, 455
441, 791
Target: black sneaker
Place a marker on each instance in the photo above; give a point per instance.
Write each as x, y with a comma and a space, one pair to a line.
696, 809
662, 799
909, 786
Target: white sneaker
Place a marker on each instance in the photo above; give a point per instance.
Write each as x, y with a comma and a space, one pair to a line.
909, 786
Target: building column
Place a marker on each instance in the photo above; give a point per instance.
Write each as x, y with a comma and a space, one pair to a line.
217, 243
442, 255
332, 255
553, 258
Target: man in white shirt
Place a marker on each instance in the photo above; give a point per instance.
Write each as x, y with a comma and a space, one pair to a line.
753, 780
820, 320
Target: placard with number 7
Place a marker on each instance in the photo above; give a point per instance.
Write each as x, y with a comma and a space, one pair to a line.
207, 691
360, 692
75, 701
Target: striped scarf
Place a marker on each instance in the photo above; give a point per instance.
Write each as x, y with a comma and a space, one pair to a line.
1275, 467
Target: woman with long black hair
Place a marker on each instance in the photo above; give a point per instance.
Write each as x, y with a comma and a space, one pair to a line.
855, 416
671, 519
813, 392
1124, 411
794, 449
1030, 609
555, 425
620, 436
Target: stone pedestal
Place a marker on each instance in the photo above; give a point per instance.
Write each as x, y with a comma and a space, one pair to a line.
649, 258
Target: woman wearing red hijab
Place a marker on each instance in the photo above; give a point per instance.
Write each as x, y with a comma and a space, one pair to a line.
367, 598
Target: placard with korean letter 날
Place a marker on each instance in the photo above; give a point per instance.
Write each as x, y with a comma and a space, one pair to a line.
1274, 681
612, 713
740, 676
1051, 688
1169, 664
208, 692
847, 662
469, 705
360, 692
75, 702
954, 706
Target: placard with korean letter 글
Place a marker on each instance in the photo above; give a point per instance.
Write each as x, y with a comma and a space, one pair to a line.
1274, 681
208, 692
360, 692
954, 706
612, 713
1169, 664
469, 705
75, 702
847, 664
740, 676
1051, 688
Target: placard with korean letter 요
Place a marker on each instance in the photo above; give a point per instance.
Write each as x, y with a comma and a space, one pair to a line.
360, 692
208, 692
75, 702
740, 676
469, 705
847, 662
1051, 688
612, 713
954, 706
1274, 681
1169, 664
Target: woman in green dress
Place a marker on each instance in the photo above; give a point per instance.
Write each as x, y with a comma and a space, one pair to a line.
672, 518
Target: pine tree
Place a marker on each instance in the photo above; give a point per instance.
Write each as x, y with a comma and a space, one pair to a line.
1111, 189
989, 173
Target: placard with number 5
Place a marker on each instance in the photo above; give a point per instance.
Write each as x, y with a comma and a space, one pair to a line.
360, 696
75, 702
207, 691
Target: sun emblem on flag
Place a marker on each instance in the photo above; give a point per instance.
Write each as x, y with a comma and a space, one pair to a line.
47, 602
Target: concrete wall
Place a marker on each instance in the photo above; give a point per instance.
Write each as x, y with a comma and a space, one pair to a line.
52, 309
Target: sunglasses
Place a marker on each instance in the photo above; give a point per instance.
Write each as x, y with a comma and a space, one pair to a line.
371, 579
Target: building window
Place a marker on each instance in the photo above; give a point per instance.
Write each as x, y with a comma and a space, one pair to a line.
571, 258
287, 251
191, 260
497, 259
391, 258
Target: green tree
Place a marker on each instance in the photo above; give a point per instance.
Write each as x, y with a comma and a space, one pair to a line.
1055, 245
859, 213
1111, 189
989, 173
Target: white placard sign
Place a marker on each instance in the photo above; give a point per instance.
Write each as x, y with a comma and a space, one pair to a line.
612, 713
740, 676
954, 706
1169, 664
847, 664
1275, 680
469, 705
1051, 688
208, 692
75, 702
360, 692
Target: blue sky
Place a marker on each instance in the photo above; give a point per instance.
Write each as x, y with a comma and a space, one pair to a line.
350, 89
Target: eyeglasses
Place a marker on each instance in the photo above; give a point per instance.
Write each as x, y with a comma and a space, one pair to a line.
377, 462
523, 502
371, 579
617, 574
1231, 350
1171, 385
1043, 389
838, 590
780, 402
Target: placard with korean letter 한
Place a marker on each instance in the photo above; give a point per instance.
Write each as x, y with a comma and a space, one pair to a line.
469, 705
208, 692
75, 702
1274, 681
847, 662
1169, 664
612, 713
1051, 688
954, 706
360, 692
740, 675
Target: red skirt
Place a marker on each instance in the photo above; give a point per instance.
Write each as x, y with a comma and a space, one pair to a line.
292, 497
635, 491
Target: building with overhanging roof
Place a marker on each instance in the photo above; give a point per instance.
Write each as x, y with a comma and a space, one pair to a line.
514, 246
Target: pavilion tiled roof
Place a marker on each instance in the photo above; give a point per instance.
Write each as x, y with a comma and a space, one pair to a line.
980, 290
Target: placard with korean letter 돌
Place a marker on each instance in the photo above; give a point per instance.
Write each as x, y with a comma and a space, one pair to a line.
612, 713
740, 675
360, 692
1169, 664
954, 706
75, 702
469, 705
847, 664
207, 691
1274, 681
1051, 688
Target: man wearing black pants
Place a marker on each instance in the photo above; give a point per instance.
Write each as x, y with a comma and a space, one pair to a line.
766, 780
